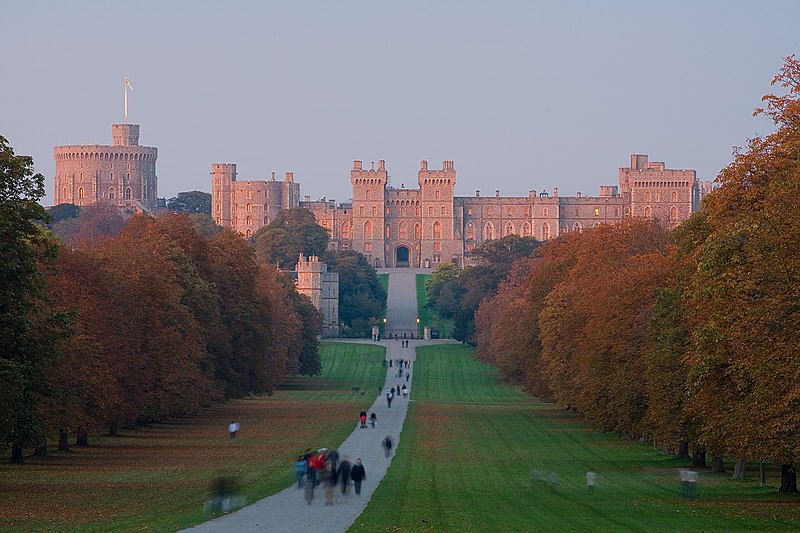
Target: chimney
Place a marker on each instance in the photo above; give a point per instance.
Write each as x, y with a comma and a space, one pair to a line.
478, 193
555, 192
497, 193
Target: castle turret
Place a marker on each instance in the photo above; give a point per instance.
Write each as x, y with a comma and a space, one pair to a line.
369, 196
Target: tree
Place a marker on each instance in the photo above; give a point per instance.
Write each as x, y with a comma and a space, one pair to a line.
293, 232
63, 212
194, 202
362, 299
28, 329
443, 290
92, 224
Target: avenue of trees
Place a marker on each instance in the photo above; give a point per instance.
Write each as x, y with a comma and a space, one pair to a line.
688, 339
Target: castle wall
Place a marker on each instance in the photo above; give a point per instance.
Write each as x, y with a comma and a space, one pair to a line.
322, 288
122, 175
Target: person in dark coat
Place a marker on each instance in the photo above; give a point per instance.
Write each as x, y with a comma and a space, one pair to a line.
344, 471
357, 474
387, 446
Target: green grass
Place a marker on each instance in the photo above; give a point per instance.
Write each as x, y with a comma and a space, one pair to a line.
383, 279
477, 456
157, 477
429, 317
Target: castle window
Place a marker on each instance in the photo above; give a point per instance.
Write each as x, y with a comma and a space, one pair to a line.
526, 230
403, 233
597, 211
674, 196
266, 221
437, 247
361, 210
577, 227
248, 221
128, 193
469, 211
545, 231
470, 231
647, 212
388, 231
436, 195
367, 246
249, 194
673, 213
374, 211
249, 207
488, 231
387, 211
647, 196
527, 211
402, 211
417, 211
437, 230
658, 197
545, 211
509, 229
417, 231
430, 210
219, 208
444, 210
509, 210
111, 194
219, 195
489, 211
470, 246
81, 193
368, 194
249, 233
368, 229
219, 221
345, 230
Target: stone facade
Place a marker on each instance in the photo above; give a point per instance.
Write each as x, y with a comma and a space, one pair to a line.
246, 206
398, 227
322, 287
122, 175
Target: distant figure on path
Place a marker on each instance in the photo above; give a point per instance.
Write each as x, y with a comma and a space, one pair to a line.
363, 418
309, 492
328, 483
300, 467
387, 446
373, 419
344, 471
591, 480
357, 474
389, 396
405, 391
233, 429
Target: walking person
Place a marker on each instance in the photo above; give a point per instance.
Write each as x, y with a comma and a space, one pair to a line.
387, 446
363, 419
357, 474
300, 468
309, 491
233, 429
373, 419
344, 471
328, 483
389, 396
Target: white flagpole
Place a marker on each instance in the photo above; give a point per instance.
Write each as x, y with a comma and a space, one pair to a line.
125, 88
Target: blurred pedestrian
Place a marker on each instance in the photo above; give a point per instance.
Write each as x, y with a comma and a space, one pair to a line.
373, 419
300, 468
357, 474
362, 417
344, 473
233, 429
328, 482
591, 480
387, 446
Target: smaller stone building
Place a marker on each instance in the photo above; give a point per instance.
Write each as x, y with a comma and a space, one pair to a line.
322, 287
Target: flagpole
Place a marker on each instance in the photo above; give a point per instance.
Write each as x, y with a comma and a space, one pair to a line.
125, 89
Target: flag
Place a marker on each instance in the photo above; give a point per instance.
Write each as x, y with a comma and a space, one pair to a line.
128, 84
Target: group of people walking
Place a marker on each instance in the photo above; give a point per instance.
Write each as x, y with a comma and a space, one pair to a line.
324, 468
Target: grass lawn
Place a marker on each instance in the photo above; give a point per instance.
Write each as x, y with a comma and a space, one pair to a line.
157, 477
478, 456
429, 317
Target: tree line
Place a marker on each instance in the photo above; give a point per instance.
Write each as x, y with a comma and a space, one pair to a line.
687, 338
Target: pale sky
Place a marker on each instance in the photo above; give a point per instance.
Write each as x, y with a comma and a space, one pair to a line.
520, 95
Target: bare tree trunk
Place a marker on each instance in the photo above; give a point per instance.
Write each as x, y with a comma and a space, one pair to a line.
717, 465
82, 438
16, 454
666, 449
683, 450
699, 459
762, 475
788, 478
738, 470
63, 440
41, 449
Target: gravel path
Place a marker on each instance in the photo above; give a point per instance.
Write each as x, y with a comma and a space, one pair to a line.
287, 511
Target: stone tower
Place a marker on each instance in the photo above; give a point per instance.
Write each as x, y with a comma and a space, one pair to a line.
440, 237
322, 287
122, 175
369, 197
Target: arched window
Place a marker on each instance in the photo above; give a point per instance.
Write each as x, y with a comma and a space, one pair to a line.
436, 194
219, 221
488, 231
545, 231
388, 232
417, 231
673, 212
368, 229
647, 196
577, 227
470, 231
374, 210
509, 229
437, 230
416, 211
444, 210
526, 230
249, 207
345, 230
249, 233
111, 193
403, 211
647, 212
128, 193
81, 193
403, 232
248, 221
674, 196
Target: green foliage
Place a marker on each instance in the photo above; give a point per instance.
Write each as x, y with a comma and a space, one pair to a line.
443, 290
293, 232
362, 299
195, 202
62, 212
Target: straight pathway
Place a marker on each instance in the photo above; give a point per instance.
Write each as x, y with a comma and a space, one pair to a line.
287, 511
